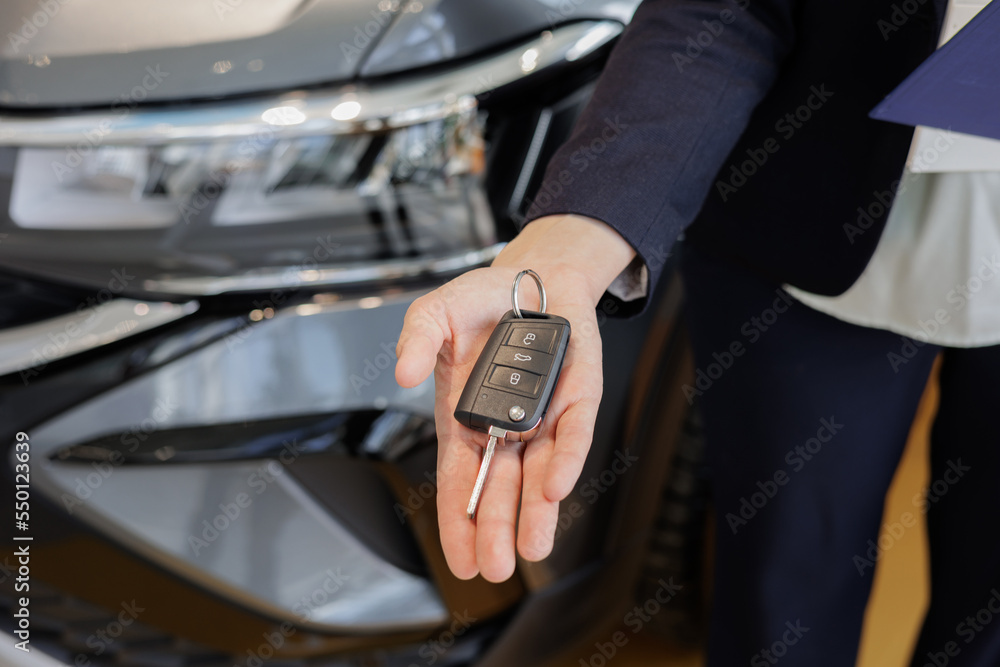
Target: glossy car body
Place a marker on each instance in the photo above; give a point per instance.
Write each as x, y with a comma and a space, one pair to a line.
217, 214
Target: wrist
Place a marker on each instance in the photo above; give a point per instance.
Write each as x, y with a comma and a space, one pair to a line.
576, 254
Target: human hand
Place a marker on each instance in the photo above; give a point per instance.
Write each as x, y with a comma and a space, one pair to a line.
446, 330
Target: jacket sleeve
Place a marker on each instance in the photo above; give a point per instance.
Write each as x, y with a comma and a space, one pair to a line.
675, 96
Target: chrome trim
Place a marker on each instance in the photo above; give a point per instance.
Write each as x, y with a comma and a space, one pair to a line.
354, 274
88, 327
530, 160
526, 435
362, 108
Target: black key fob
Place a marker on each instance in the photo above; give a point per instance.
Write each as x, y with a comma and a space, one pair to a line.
513, 380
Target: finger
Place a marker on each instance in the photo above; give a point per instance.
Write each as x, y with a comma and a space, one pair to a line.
537, 527
574, 433
497, 513
458, 464
420, 341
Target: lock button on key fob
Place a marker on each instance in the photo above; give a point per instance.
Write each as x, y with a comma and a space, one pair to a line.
509, 375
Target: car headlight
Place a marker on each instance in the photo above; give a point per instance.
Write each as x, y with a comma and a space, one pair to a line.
308, 188
257, 212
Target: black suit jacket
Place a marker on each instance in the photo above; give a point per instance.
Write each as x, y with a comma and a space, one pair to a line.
745, 123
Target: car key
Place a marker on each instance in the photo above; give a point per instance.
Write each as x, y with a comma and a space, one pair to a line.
511, 385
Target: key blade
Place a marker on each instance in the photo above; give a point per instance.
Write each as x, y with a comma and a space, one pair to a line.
484, 469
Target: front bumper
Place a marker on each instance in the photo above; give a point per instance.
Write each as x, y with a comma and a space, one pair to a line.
123, 511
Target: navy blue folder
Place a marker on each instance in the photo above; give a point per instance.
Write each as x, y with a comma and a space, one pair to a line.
958, 87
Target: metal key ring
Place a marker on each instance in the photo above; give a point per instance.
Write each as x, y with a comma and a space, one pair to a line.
517, 284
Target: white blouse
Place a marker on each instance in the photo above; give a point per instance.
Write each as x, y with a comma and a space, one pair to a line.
935, 275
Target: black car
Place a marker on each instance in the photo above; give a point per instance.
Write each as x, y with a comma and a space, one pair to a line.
217, 214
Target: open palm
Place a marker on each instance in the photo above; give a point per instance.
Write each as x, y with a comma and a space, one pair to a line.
445, 331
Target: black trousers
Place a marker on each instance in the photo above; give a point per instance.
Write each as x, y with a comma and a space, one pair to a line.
806, 418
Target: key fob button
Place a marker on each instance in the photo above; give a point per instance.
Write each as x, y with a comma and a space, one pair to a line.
519, 366
533, 361
532, 337
515, 380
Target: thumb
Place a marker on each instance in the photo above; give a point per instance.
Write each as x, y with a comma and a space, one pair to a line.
425, 330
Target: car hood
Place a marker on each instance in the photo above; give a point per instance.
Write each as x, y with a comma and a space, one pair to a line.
62, 53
